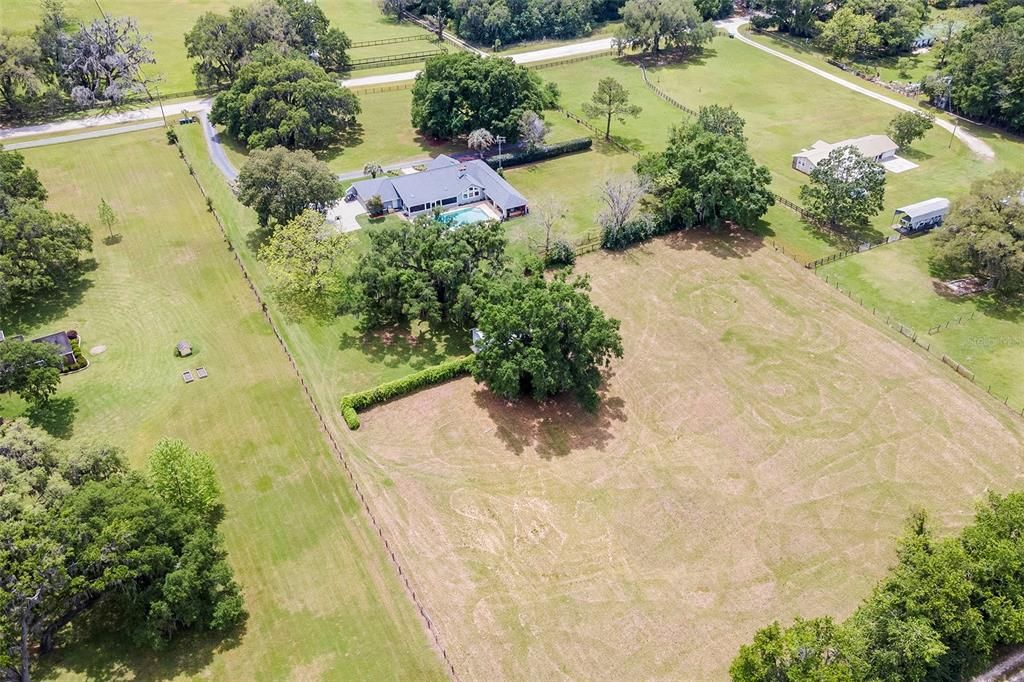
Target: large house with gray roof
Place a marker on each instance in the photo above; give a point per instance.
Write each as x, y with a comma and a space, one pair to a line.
444, 183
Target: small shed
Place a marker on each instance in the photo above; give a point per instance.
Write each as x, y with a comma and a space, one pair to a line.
62, 342
924, 215
184, 349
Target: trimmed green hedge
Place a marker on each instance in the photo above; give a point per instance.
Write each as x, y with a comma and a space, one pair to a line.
539, 154
437, 374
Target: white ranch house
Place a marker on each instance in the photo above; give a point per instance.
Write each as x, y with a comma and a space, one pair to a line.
877, 147
445, 183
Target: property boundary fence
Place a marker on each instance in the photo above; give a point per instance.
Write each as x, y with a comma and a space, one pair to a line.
615, 143
387, 60
378, 89
336, 449
391, 41
912, 335
569, 60
860, 248
945, 325
664, 95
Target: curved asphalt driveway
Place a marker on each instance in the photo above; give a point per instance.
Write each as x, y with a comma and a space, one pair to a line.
979, 147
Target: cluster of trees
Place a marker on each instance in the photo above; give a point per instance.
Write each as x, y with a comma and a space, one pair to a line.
651, 24
460, 92
40, 250
500, 22
224, 44
90, 62
706, 176
984, 233
940, 614
850, 28
542, 337
981, 74
283, 60
81, 534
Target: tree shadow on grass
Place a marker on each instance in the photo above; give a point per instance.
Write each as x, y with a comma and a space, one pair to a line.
51, 305
675, 59
56, 416
396, 346
915, 155
97, 652
725, 243
255, 239
554, 428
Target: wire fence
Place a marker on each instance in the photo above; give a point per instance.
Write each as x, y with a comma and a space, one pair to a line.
611, 140
860, 248
945, 325
336, 449
664, 95
912, 335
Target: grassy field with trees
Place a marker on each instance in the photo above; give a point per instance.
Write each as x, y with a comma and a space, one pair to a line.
168, 22
749, 424
322, 600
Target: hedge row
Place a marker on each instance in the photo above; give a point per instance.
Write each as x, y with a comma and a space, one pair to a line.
548, 151
437, 374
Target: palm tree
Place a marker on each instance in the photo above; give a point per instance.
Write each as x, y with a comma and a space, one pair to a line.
480, 139
373, 169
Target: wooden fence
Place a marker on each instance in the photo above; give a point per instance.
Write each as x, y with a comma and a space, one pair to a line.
391, 41
600, 133
945, 325
569, 60
403, 574
664, 95
388, 60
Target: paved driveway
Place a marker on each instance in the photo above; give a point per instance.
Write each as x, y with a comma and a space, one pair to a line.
343, 214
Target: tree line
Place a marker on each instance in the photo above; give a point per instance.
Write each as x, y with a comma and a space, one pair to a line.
942, 612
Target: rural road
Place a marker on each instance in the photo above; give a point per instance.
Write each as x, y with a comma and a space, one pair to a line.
979, 147
87, 135
199, 105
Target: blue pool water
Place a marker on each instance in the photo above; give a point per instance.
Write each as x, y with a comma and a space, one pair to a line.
465, 216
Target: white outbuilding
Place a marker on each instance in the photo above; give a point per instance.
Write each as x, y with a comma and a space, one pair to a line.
924, 215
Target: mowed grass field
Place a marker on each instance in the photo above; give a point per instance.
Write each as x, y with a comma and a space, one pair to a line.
756, 454
323, 602
167, 21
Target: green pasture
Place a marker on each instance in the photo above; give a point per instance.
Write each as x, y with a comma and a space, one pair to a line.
323, 601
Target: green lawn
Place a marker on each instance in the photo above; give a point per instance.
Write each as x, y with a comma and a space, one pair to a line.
897, 280
335, 357
168, 21
323, 601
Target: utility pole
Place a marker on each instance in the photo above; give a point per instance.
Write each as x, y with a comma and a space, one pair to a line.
499, 139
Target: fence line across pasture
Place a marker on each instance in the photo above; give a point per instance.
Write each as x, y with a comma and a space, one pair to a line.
396, 563
945, 325
911, 334
405, 57
568, 60
390, 41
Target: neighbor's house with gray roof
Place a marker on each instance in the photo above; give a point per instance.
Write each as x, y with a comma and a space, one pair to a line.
444, 183
875, 147
60, 340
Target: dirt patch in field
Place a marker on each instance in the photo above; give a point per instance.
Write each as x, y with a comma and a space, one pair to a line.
757, 451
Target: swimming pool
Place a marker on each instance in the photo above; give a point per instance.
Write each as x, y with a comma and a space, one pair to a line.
465, 216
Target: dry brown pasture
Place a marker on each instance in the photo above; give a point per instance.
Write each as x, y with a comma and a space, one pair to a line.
757, 452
